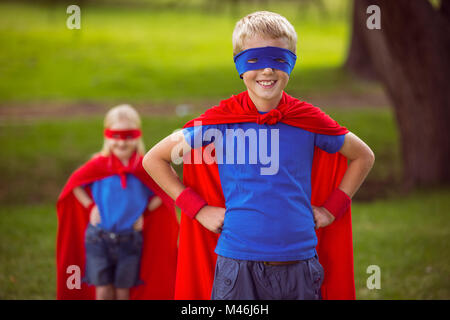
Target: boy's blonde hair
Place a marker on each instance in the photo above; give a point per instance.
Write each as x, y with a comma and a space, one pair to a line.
265, 24
122, 112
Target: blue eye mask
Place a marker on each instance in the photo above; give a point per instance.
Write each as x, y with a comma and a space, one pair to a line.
265, 57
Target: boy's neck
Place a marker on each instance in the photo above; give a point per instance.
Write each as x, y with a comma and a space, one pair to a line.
264, 105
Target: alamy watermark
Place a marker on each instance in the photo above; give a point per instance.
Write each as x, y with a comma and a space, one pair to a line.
229, 147
374, 280
74, 20
374, 20
74, 279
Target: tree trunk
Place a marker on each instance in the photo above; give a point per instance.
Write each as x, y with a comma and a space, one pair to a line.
358, 58
410, 54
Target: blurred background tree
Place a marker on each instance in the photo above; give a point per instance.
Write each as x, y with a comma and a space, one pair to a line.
409, 54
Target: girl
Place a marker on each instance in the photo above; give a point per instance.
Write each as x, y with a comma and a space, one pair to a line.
116, 196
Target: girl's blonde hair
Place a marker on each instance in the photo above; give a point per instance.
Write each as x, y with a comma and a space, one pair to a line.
265, 24
122, 112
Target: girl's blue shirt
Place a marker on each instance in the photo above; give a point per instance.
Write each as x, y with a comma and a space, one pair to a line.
120, 207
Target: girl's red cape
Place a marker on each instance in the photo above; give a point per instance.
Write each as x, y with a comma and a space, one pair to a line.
196, 257
160, 233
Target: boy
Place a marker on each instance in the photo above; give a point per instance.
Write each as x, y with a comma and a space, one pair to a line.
258, 195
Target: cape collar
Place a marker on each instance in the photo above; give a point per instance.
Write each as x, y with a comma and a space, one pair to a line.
115, 166
273, 116
240, 109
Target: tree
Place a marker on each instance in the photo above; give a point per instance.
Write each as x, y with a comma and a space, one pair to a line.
410, 56
357, 61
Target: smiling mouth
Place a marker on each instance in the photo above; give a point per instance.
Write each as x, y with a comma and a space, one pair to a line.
267, 84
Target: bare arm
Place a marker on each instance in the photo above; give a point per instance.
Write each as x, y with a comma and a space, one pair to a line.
86, 201
361, 160
154, 203
82, 196
157, 164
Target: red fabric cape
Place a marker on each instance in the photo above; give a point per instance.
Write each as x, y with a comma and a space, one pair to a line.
196, 257
160, 233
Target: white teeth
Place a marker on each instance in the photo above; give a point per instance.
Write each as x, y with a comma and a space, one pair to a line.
267, 83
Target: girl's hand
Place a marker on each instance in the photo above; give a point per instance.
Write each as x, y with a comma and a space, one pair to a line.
94, 217
322, 217
211, 218
139, 224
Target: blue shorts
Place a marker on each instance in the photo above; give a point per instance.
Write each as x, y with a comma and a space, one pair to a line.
112, 258
255, 280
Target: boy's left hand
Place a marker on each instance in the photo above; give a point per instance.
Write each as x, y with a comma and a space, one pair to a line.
322, 217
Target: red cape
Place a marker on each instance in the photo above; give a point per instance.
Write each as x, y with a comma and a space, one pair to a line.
196, 257
160, 233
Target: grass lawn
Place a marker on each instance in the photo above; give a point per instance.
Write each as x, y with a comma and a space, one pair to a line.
143, 54
406, 237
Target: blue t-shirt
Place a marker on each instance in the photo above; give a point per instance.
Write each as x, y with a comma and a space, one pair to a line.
120, 207
265, 174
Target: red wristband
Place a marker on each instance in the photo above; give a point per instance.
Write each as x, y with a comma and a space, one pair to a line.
190, 202
89, 207
337, 203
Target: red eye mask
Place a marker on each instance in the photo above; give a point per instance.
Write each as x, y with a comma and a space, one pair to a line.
122, 134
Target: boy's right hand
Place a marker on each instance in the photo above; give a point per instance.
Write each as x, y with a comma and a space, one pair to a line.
211, 218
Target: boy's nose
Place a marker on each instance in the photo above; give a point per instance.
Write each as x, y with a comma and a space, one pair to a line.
268, 70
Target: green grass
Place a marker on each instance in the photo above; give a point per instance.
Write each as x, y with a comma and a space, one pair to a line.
141, 54
407, 237
27, 252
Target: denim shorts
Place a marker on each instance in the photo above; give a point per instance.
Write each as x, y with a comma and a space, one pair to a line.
255, 280
112, 258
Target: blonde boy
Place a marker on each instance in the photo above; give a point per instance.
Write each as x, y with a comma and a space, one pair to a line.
269, 150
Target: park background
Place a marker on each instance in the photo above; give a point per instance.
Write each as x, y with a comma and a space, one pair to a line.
172, 60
